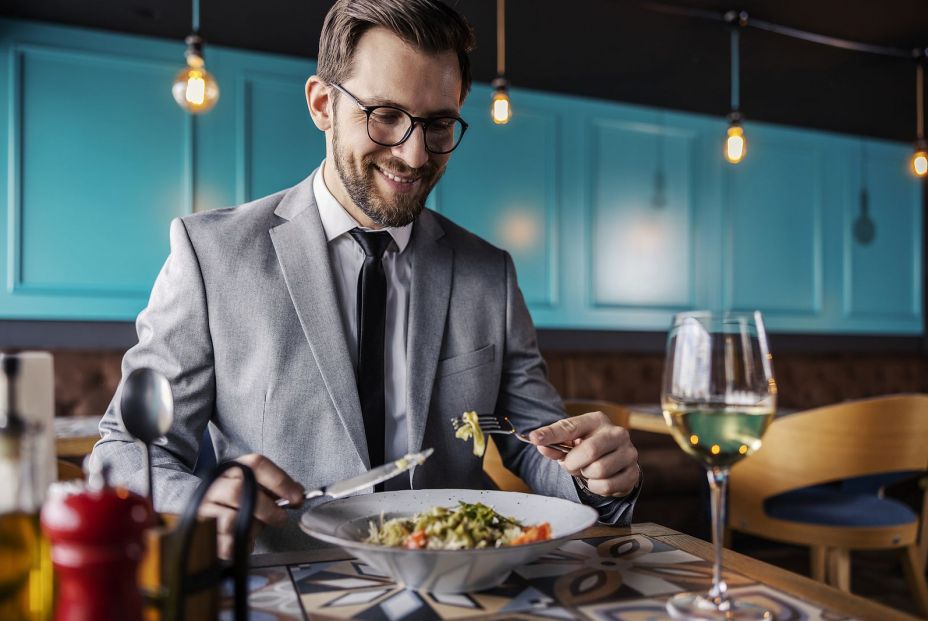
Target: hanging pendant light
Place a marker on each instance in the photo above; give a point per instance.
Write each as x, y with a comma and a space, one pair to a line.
920, 157
735, 142
500, 106
194, 89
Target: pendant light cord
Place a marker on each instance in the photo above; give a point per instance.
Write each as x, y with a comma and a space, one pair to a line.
845, 44
196, 17
920, 99
863, 161
735, 69
786, 31
500, 37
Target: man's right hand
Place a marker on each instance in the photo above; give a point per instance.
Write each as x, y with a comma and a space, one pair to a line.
221, 501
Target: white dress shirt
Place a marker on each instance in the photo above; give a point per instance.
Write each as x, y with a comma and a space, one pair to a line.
347, 257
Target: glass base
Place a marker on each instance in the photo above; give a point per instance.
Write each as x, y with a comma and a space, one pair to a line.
702, 606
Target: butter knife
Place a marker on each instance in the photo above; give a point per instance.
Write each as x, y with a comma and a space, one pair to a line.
368, 479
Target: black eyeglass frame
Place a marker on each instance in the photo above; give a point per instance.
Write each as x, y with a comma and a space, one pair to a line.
414, 120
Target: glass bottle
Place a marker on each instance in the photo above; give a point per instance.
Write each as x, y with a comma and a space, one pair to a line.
26, 576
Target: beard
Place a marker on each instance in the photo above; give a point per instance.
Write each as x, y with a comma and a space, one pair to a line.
358, 178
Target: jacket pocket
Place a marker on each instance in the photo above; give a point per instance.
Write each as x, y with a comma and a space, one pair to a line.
463, 362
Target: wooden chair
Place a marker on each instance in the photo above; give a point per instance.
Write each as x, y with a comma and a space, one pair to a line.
781, 492
68, 471
504, 478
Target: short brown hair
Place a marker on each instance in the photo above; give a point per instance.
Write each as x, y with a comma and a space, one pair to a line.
429, 25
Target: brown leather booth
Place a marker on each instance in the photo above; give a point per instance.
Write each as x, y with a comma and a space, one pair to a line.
85, 382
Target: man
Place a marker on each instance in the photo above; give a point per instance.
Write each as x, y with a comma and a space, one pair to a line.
335, 325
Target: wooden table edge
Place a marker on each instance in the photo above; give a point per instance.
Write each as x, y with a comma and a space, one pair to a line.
78, 446
791, 583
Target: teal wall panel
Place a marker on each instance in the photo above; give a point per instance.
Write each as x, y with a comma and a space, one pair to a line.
279, 145
502, 184
99, 159
275, 143
89, 189
77, 117
215, 136
774, 253
641, 223
882, 277
642, 256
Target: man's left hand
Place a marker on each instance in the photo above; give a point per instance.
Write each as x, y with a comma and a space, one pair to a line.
602, 453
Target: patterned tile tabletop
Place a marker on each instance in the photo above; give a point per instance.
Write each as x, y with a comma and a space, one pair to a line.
601, 579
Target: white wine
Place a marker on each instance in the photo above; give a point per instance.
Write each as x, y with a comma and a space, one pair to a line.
718, 437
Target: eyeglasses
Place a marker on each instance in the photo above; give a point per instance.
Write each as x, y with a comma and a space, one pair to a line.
389, 126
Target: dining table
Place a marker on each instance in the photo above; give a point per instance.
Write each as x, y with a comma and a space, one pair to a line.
605, 573
76, 435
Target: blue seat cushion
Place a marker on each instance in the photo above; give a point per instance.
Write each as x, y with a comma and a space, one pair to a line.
829, 505
873, 483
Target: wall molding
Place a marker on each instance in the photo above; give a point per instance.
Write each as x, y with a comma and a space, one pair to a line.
16, 283
72, 335
553, 205
121, 335
813, 307
594, 128
849, 264
621, 343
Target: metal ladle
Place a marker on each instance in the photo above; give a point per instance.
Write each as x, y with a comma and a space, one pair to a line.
147, 410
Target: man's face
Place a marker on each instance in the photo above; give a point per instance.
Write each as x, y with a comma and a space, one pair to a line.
390, 184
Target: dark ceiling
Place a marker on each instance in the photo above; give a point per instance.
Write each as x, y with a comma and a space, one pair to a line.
611, 49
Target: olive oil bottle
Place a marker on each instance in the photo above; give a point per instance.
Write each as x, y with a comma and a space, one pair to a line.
26, 576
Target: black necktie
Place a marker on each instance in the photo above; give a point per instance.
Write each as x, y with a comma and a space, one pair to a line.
372, 307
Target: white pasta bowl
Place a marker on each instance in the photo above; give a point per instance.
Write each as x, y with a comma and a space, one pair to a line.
345, 521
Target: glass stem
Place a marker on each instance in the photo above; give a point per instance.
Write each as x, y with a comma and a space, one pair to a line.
718, 486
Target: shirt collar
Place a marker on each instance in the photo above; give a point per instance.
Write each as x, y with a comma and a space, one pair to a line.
336, 221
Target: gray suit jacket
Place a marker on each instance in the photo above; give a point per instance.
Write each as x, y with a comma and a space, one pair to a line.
243, 322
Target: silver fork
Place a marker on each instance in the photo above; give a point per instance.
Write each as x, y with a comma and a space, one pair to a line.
492, 424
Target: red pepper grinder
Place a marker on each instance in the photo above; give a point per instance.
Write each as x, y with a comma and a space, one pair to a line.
96, 532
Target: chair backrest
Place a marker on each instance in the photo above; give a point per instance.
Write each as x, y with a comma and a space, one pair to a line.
68, 471
505, 480
502, 477
851, 439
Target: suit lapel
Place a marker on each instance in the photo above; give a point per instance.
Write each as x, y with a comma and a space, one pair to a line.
302, 252
430, 291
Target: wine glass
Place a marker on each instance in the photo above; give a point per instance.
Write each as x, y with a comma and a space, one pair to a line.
718, 396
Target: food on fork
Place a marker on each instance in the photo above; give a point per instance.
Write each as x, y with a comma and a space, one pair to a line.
467, 427
469, 526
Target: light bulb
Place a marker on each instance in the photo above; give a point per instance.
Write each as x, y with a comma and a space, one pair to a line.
920, 163
194, 89
501, 107
735, 144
